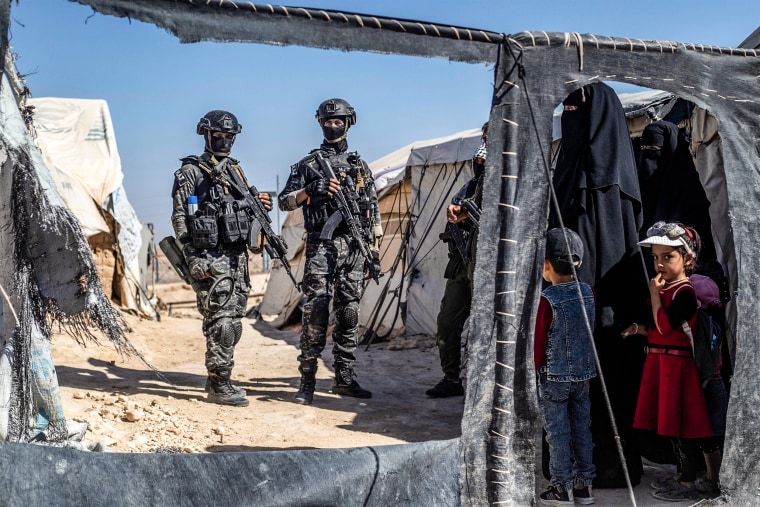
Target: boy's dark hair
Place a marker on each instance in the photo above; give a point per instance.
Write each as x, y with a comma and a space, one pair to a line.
561, 266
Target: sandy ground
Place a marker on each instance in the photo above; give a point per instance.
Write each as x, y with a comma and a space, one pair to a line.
131, 409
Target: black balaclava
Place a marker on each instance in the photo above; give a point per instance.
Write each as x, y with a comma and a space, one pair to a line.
219, 146
335, 135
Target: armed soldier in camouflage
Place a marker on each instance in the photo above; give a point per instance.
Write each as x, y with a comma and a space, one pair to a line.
335, 266
213, 234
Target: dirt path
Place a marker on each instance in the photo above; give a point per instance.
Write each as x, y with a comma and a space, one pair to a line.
131, 409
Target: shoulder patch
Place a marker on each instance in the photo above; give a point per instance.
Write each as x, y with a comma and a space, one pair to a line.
180, 178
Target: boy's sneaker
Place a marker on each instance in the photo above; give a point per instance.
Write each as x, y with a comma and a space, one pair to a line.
584, 495
677, 494
446, 388
708, 488
556, 495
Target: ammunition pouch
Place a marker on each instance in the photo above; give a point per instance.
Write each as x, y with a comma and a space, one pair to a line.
204, 231
234, 224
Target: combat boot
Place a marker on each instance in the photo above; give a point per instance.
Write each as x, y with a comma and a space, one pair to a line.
238, 390
305, 393
345, 385
223, 393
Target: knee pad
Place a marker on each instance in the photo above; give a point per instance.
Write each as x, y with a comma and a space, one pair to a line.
318, 311
350, 315
228, 332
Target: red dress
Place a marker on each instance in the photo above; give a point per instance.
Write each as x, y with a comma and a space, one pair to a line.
671, 400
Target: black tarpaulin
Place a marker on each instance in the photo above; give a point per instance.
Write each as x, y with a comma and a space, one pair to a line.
495, 456
536, 72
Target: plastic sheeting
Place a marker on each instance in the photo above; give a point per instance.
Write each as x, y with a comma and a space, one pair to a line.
398, 475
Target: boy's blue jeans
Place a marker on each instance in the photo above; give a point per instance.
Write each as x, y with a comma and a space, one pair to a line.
566, 410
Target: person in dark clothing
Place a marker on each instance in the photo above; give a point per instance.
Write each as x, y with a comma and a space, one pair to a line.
597, 188
670, 186
335, 268
457, 296
214, 242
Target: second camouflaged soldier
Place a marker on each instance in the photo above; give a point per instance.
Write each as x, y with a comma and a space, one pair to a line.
213, 235
335, 267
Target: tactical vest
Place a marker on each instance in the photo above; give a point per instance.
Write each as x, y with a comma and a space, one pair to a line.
351, 172
217, 223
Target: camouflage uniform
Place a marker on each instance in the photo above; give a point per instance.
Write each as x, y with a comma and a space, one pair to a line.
334, 268
221, 320
215, 245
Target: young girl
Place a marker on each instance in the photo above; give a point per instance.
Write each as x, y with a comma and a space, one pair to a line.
671, 401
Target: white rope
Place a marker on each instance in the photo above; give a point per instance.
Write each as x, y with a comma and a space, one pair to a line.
10, 305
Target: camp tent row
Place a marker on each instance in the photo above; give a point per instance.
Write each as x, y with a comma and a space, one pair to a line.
77, 141
493, 461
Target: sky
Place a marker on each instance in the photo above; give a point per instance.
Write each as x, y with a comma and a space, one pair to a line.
157, 89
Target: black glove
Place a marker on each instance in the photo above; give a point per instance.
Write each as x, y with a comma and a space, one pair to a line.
375, 262
317, 187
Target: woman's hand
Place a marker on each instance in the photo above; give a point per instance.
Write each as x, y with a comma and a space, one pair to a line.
632, 329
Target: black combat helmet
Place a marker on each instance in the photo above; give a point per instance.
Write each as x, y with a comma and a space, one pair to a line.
336, 108
218, 121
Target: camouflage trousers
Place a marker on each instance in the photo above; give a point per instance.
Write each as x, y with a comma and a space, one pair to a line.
222, 304
334, 272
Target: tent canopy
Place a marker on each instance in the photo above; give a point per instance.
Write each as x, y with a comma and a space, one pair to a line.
77, 141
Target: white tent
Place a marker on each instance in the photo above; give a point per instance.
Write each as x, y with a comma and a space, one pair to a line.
415, 184
76, 138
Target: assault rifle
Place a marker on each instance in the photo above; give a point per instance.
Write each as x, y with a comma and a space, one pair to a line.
454, 233
473, 211
248, 200
348, 212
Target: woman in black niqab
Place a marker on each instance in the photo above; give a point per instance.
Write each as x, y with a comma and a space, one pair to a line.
597, 188
670, 185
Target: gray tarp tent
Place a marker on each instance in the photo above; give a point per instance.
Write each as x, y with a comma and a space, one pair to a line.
534, 72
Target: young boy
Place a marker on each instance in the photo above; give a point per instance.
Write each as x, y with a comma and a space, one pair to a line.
564, 360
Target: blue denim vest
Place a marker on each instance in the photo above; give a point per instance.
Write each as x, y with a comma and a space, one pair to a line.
569, 353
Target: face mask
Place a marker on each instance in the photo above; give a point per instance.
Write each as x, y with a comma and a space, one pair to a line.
334, 134
650, 154
221, 144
